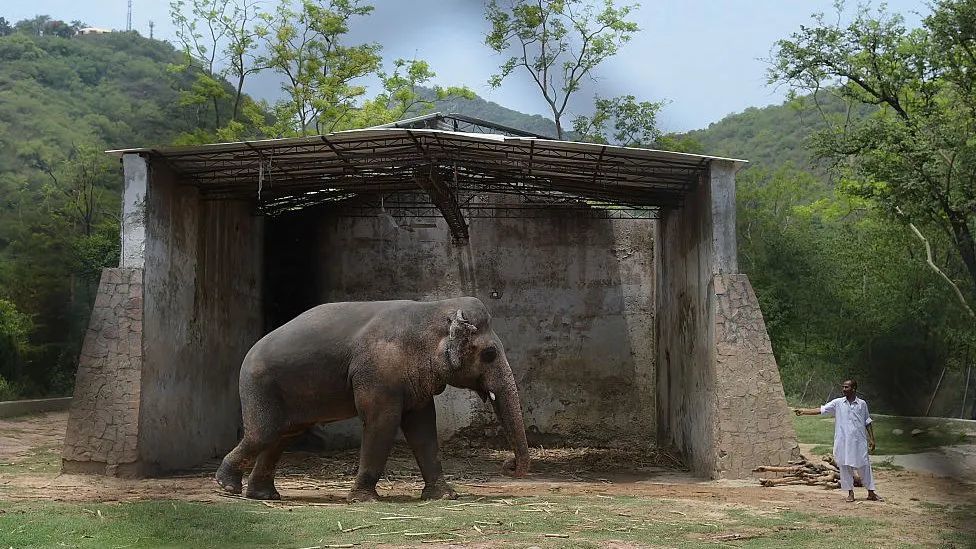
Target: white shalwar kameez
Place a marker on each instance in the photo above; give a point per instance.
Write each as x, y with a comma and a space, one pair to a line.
851, 440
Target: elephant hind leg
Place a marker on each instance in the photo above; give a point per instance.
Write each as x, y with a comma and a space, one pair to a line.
260, 485
260, 434
231, 471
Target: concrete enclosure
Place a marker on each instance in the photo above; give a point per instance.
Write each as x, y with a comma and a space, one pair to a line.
628, 332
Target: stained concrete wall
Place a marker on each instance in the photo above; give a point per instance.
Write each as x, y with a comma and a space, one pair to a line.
203, 292
574, 309
717, 380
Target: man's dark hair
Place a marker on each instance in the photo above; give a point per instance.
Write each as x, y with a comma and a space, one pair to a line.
852, 382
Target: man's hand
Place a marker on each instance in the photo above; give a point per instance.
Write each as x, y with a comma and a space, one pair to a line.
798, 411
871, 445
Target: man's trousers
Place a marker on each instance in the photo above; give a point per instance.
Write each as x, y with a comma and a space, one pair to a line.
847, 477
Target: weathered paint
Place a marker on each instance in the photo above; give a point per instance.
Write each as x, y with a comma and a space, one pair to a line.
202, 313
135, 169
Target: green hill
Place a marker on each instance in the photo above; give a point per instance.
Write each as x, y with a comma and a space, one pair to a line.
493, 112
774, 135
62, 102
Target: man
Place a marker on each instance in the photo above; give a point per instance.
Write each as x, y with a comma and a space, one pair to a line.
853, 437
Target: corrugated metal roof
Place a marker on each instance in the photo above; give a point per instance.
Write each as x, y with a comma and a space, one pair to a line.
288, 173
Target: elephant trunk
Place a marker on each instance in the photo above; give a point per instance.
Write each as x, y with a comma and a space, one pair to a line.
508, 408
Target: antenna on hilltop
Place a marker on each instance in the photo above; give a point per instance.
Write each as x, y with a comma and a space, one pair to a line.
151, 26
128, 18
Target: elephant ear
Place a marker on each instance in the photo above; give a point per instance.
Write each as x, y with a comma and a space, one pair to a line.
458, 335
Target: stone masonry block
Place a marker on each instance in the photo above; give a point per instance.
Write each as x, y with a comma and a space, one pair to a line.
754, 429
103, 419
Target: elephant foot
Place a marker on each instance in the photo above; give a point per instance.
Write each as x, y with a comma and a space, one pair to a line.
362, 495
261, 491
439, 490
228, 479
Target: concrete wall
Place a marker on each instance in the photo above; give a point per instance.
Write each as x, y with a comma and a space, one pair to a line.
720, 398
14, 408
574, 309
203, 311
686, 365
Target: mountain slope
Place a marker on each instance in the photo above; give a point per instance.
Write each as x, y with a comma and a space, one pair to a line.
771, 136
62, 102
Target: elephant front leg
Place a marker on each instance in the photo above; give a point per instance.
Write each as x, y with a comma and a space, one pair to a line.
381, 417
420, 429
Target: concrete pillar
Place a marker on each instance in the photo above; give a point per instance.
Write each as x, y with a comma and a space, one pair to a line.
156, 387
720, 398
103, 421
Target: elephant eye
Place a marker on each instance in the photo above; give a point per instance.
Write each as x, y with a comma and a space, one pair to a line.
489, 354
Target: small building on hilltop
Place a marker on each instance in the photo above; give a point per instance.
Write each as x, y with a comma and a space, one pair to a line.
93, 30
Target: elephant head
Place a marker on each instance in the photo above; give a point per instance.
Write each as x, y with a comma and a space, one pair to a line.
476, 360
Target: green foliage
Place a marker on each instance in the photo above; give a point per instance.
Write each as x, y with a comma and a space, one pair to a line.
558, 42
15, 328
404, 95
843, 289
634, 124
825, 206
914, 156
774, 135
211, 31
303, 42
63, 102
322, 76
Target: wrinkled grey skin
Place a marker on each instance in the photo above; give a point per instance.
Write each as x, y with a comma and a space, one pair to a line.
383, 361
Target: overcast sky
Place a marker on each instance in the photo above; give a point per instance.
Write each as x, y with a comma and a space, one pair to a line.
705, 57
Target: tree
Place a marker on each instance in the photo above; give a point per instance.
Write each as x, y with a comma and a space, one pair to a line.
34, 27
15, 327
5, 28
241, 49
202, 32
914, 155
634, 124
59, 28
321, 74
402, 95
558, 42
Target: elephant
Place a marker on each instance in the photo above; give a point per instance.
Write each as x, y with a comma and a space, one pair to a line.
383, 361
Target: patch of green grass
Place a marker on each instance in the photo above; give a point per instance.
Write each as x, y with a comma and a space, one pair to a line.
820, 431
963, 521
579, 521
42, 459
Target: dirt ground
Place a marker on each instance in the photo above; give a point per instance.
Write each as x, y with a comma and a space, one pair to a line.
30, 457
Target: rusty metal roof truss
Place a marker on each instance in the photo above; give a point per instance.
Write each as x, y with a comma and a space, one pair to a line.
391, 165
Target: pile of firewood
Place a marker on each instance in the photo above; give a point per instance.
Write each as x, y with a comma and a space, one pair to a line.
803, 471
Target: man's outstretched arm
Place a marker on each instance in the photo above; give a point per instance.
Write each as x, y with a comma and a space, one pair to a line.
806, 411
